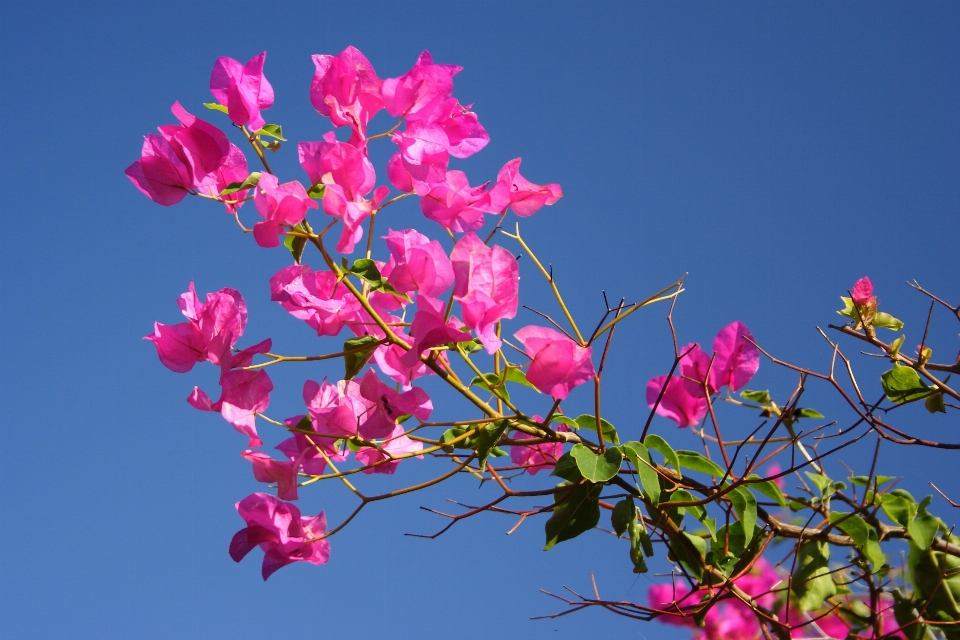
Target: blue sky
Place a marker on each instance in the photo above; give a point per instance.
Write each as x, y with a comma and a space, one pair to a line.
776, 152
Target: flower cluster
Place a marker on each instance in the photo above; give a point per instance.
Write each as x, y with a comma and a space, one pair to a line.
401, 316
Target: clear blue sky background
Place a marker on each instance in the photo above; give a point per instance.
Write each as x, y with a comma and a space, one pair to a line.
777, 152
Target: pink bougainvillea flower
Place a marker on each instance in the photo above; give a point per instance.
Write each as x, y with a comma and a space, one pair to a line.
454, 204
242, 89
514, 191
677, 403
281, 204
423, 157
388, 405
387, 357
737, 358
336, 410
862, 292
465, 134
421, 90
278, 528
558, 363
430, 329
536, 457
395, 444
346, 89
283, 472
213, 327
419, 264
245, 394
773, 469
315, 297
311, 451
183, 157
727, 620
486, 284
348, 175
694, 367
233, 169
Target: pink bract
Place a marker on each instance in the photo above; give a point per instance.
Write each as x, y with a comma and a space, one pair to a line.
278, 528
315, 297
454, 204
242, 89
420, 264
737, 358
185, 156
336, 410
245, 394
486, 284
536, 457
346, 89
558, 363
677, 403
430, 329
514, 191
421, 90
282, 205
395, 444
283, 472
386, 405
862, 291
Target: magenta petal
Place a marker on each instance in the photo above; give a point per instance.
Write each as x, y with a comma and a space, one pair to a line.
736, 360
862, 291
676, 404
246, 539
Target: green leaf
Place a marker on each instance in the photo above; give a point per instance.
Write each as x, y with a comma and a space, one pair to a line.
895, 346
624, 512
923, 530
906, 613
487, 440
760, 397
272, 130
567, 420
811, 582
649, 479
899, 506
587, 421
296, 244
655, 442
567, 468
697, 462
248, 183
808, 413
517, 376
366, 269
272, 145
354, 362
768, 488
493, 383
576, 510
826, 486
597, 467
864, 481
848, 309
902, 384
316, 191
863, 535
746, 507
935, 403
886, 321
215, 106
689, 554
